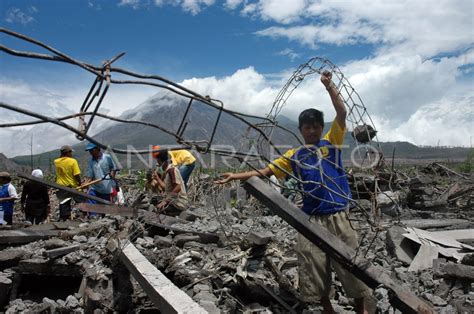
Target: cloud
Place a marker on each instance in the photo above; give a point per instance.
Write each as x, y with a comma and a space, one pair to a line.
191, 6
134, 4
289, 53
15, 15
281, 11
409, 27
56, 101
409, 99
233, 4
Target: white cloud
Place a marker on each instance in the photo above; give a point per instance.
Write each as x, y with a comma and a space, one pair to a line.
191, 6
282, 11
54, 102
423, 27
409, 99
15, 15
135, 4
289, 53
244, 91
233, 4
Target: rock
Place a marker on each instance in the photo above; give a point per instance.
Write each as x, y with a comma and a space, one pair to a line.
52, 304
54, 244
259, 237
189, 215
181, 239
205, 296
145, 242
210, 307
381, 293
71, 302
81, 239
468, 259
436, 300
162, 241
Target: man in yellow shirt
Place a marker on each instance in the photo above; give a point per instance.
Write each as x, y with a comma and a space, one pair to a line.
181, 159
326, 198
68, 174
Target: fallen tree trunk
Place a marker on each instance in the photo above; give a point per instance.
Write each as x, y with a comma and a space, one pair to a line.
371, 275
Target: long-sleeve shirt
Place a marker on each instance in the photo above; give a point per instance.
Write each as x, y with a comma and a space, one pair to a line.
35, 196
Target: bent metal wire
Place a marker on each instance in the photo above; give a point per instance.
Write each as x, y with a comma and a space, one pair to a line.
263, 127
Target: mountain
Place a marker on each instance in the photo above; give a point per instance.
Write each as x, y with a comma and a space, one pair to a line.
9, 165
167, 110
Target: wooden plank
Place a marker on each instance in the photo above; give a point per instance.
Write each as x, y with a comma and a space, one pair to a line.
371, 275
162, 292
25, 236
66, 189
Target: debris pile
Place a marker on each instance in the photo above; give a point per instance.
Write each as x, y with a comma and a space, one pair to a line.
228, 253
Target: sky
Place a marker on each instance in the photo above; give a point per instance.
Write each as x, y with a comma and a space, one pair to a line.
410, 61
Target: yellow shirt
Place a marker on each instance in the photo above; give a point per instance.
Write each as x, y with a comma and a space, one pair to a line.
66, 169
181, 157
281, 166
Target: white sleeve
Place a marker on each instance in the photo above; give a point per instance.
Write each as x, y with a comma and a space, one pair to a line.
12, 191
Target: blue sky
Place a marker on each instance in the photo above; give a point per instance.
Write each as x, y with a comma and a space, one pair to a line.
411, 62
161, 39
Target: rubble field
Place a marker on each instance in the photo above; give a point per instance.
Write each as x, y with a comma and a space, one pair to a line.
230, 254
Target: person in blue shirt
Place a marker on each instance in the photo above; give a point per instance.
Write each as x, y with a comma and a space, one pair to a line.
326, 197
101, 166
8, 196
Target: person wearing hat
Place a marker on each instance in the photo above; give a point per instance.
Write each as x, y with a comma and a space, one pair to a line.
68, 174
35, 199
174, 198
181, 159
8, 196
101, 166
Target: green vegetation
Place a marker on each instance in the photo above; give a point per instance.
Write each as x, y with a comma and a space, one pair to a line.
468, 164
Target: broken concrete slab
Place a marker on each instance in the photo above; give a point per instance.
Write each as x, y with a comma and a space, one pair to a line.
22, 236
39, 266
166, 296
10, 258
435, 223
399, 246
424, 258
444, 269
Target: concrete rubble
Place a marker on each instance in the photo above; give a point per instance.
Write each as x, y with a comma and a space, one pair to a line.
230, 254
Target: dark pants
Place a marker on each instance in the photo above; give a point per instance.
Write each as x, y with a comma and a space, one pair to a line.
8, 219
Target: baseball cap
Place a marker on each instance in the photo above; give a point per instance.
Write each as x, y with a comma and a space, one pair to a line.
66, 149
90, 146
